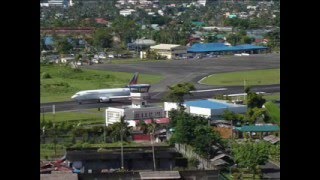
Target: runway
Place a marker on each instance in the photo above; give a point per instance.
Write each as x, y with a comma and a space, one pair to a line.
177, 71
156, 97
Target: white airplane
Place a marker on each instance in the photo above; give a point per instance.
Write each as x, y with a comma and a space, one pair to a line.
105, 95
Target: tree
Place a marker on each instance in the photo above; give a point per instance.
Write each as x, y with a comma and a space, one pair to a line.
205, 137
63, 46
177, 92
255, 100
250, 155
152, 127
233, 39
102, 38
258, 114
119, 129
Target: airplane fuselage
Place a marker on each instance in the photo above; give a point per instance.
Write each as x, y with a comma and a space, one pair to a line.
101, 94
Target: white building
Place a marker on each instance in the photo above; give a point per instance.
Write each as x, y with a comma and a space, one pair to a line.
202, 2
211, 28
126, 12
139, 110
210, 108
169, 50
60, 3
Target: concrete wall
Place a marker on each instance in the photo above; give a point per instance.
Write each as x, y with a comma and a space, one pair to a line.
200, 111
186, 174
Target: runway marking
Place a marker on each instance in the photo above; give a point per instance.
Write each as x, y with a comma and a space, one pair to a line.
206, 90
199, 82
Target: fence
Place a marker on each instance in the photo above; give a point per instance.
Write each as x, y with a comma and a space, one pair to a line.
189, 153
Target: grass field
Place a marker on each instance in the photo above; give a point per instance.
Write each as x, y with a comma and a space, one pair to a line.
272, 97
47, 151
89, 116
274, 111
64, 81
253, 78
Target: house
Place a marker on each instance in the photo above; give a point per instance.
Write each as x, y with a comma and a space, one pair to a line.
170, 51
126, 12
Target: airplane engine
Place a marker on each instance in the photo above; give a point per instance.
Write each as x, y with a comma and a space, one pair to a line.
104, 99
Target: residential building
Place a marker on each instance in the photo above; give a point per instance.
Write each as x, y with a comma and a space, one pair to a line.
202, 2
126, 12
61, 3
170, 51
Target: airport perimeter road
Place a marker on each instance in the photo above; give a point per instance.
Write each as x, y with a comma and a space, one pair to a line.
193, 70
156, 97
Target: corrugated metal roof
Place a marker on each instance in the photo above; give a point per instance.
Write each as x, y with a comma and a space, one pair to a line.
265, 128
207, 104
165, 46
214, 47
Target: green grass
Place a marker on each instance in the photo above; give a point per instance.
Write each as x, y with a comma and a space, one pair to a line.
253, 78
92, 116
47, 151
272, 97
64, 81
274, 111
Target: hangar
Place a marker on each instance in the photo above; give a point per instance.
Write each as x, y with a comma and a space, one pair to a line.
225, 48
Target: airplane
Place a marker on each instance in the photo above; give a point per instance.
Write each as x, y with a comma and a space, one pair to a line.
105, 95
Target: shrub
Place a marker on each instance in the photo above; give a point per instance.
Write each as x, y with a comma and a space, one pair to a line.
45, 75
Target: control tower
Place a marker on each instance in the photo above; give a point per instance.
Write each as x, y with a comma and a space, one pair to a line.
139, 94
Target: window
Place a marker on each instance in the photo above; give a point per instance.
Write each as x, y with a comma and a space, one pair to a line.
136, 115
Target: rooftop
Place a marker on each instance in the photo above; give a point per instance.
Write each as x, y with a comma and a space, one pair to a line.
261, 128
209, 47
165, 46
208, 104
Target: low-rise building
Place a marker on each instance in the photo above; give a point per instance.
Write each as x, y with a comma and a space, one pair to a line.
210, 108
126, 12
170, 51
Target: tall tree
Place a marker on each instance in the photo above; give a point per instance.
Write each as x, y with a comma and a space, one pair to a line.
205, 137
177, 92
62, 45
102, 38
255, 100
152, 127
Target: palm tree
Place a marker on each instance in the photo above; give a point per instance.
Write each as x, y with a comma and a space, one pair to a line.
152, 127
120, 128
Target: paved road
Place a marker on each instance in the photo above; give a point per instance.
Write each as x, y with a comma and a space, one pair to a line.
155, 97
193, 70
270, 171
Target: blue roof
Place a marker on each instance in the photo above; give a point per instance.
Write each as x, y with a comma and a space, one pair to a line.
216, 47
207, 104
265, 128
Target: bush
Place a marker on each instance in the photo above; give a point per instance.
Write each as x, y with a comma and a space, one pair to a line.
193, 162
45, 75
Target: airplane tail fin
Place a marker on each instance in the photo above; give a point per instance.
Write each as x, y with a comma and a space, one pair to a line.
134, 79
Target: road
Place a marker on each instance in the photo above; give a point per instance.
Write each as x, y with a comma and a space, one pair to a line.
156, 97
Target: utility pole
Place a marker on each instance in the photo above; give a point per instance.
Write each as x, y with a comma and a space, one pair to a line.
121, 136
153, 156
